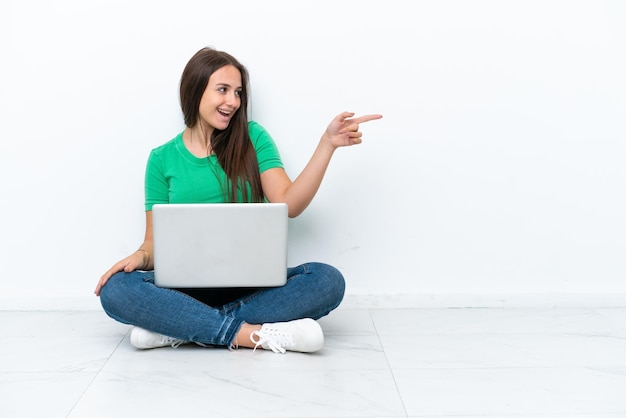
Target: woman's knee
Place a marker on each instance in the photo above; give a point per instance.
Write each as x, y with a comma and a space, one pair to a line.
332, 280
117, 294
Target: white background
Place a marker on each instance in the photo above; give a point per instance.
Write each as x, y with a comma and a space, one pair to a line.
496, 177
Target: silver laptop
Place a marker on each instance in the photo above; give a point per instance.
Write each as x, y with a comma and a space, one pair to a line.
220, 245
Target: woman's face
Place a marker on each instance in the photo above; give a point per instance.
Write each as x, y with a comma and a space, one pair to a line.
222, 98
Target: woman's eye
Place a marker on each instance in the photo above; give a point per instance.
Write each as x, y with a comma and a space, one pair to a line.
238, 93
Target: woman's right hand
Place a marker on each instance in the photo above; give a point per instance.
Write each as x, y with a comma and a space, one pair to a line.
136, 261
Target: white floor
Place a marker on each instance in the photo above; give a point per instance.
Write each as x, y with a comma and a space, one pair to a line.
376, 363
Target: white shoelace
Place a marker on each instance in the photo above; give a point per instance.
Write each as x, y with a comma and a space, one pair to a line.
273, 338
171, 341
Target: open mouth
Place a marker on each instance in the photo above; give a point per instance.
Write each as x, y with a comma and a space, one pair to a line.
224, 113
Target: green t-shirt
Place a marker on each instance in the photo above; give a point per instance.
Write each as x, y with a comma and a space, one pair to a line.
174, 175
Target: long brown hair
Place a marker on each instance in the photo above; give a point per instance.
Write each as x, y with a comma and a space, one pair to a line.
232, 146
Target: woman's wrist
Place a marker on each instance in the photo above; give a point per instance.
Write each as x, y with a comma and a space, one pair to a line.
146, 258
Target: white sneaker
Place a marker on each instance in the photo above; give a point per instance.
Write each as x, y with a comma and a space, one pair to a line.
144, 339
304, 335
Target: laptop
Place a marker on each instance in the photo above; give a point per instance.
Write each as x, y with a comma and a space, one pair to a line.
220, 245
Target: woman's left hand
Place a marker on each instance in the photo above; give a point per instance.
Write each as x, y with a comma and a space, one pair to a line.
344, 129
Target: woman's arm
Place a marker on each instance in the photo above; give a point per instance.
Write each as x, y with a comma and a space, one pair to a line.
142, 259
278, 187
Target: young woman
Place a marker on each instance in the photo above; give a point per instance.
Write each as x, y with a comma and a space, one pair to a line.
222, 157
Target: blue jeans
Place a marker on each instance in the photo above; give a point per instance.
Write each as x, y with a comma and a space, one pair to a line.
312, 291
